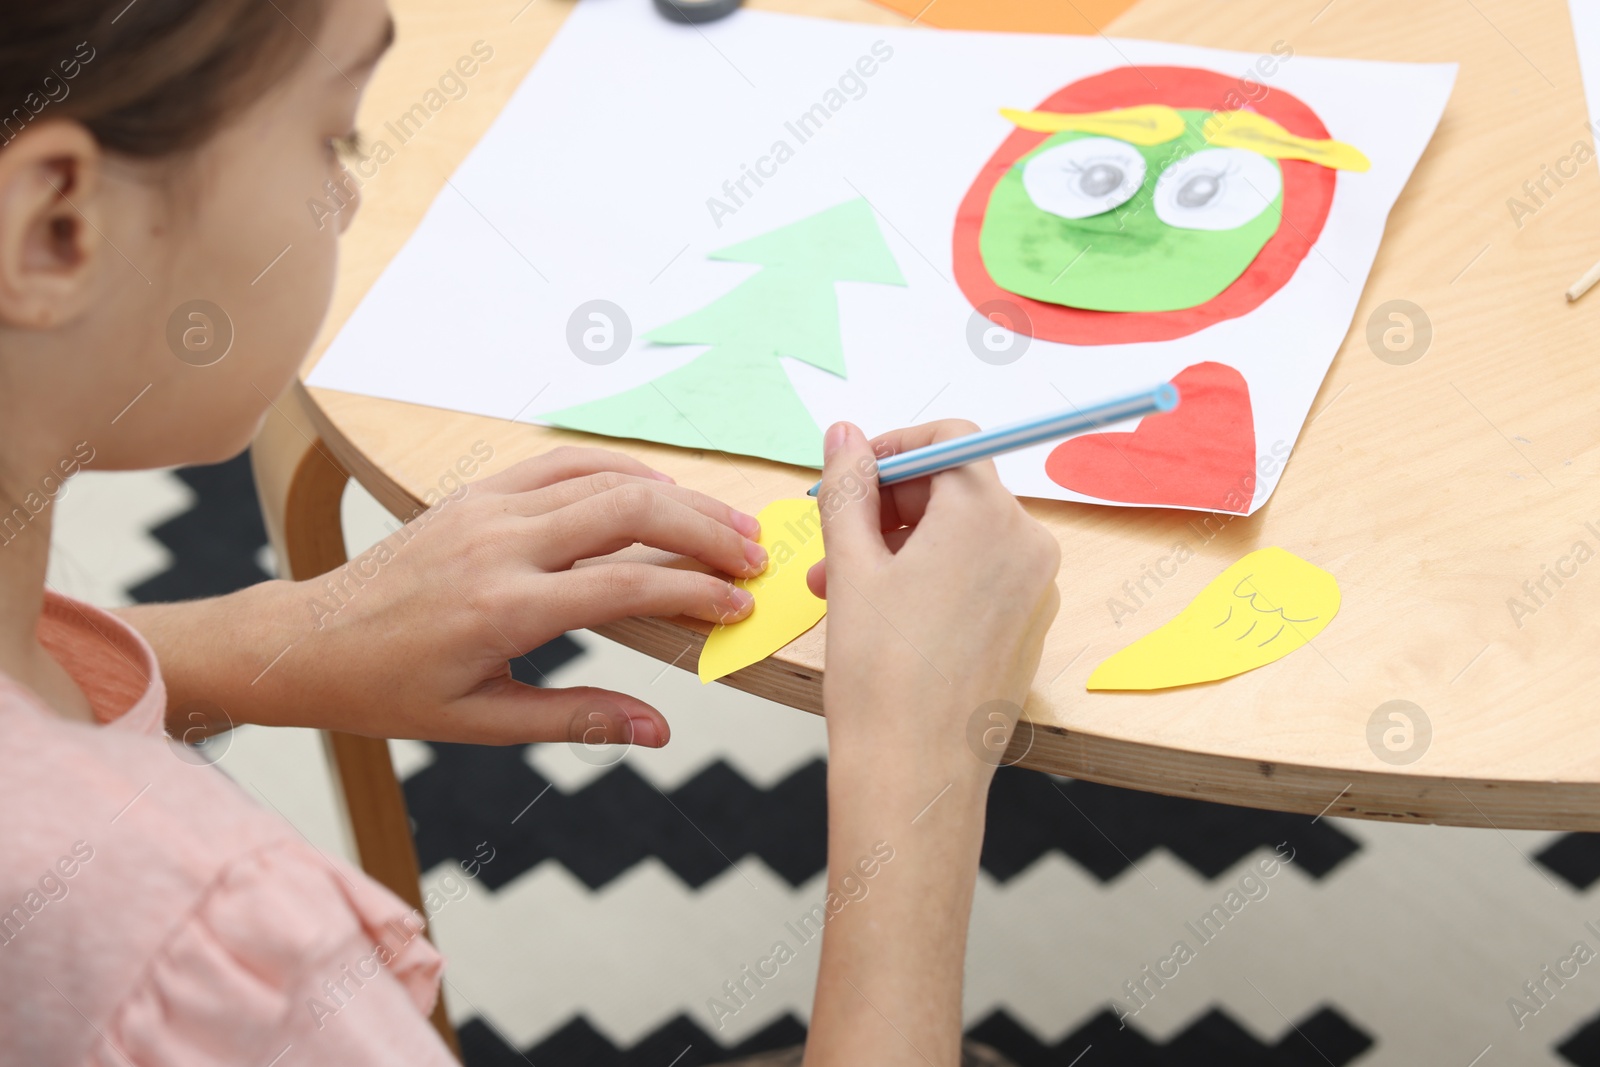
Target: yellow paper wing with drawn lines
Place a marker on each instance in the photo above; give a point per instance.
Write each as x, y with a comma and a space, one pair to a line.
1262, 608
791, 532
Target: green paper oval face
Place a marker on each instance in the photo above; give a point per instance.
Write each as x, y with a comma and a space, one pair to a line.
1125, 259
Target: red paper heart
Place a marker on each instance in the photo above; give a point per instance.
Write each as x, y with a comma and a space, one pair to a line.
1201, 454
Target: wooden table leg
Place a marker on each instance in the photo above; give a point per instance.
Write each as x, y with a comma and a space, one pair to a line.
300, 486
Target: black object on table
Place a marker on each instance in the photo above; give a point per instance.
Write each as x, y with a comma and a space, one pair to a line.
697, 10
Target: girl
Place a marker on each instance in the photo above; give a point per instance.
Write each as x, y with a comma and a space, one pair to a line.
157, 152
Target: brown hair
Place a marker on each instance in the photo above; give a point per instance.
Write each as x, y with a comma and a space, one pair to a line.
150, 77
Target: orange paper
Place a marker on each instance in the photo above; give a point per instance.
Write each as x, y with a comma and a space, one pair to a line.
1013, 16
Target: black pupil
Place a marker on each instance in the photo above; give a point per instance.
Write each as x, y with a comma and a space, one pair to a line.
1199, 190
1100, 179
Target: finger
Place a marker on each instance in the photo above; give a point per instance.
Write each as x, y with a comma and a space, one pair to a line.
590, 719
848, 498
904, 504
909, 438
605, 592
817, 574
560, 464
629, 514
571, 490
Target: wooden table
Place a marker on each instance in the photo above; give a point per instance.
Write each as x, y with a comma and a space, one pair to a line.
1433, 490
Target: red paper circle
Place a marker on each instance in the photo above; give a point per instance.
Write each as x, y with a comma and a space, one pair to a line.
1307, 195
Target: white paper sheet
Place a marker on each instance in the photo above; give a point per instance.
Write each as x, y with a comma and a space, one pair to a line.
1586, 34
594, 183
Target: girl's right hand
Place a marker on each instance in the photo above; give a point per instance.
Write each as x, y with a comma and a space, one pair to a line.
940, 593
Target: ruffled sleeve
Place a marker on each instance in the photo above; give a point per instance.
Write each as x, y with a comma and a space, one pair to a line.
285, 952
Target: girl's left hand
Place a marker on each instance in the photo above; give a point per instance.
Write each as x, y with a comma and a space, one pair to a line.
413, 638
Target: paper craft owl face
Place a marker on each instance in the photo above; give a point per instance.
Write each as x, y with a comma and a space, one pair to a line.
1145, 205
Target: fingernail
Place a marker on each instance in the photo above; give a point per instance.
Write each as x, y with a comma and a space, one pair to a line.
748, 525
833, 440
756, 556
742, 600
658, 476
645, 732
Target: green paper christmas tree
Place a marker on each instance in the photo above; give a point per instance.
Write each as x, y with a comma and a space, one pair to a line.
736, 397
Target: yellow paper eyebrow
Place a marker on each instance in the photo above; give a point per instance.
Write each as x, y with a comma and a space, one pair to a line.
1246, 129
1147, 124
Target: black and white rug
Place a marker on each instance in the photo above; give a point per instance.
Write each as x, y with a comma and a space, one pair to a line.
607, 910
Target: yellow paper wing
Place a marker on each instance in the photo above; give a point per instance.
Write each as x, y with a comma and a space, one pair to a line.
1262, 608
791, 532
1147, 124
1246, 129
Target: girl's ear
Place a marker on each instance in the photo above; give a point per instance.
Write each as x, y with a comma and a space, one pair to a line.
50, 226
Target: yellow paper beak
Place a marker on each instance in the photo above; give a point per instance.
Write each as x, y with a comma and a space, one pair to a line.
791, 532
1147, 124
1246, 129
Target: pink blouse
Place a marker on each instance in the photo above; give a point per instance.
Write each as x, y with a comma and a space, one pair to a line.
152, 914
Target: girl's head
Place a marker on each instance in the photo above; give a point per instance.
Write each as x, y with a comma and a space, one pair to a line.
158, 160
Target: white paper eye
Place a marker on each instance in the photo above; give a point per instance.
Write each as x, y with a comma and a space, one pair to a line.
1216, 189
1084, 177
